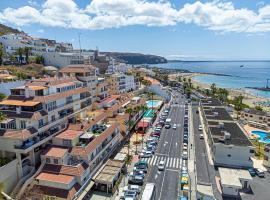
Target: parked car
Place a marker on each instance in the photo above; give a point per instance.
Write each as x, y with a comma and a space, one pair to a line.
201, 136
174, 127
146, 154
137, 180
137, 173
135, 188
200, 128
252, 171
260, 173
161, 165
141, 163
185, 155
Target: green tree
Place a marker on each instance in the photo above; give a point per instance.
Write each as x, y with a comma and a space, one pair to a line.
238, 105
213, 88
27, 52
259, 108
2, 53
20, 52
2, 96
222, 94
39, 60
2, 117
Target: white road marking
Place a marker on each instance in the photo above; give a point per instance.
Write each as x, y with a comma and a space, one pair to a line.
177, 162
151, 160
173, 170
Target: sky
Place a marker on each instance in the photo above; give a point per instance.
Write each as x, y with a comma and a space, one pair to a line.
175, 29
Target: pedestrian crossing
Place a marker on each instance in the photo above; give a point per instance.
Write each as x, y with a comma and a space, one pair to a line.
170, 162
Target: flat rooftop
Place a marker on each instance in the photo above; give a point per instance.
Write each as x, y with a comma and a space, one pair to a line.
69, 134
213, 113
57, 178
231, 177
237, 136
211, 102
57, 152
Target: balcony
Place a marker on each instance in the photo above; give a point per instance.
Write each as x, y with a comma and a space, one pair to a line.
41, 138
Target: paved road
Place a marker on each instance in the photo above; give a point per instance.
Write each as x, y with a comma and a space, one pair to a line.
169, 150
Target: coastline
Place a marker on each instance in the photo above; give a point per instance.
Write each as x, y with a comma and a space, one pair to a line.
249, 99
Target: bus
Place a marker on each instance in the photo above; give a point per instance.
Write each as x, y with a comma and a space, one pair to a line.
149, 192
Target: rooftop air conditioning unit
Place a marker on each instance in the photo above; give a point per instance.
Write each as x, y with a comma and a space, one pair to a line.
221, 125
227, 135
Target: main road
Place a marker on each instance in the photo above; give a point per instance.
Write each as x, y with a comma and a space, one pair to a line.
169, 149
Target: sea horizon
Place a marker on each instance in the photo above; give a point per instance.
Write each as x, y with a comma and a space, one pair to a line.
237, 74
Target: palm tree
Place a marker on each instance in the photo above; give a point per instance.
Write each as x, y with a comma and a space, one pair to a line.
2, 53
130, 124
223, 94
143, 108
238, 105
27, 51
20, 53
213, 89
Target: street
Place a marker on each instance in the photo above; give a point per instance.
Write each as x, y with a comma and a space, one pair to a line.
169, 150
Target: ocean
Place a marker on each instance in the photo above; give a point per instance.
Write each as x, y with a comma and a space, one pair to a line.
252, 74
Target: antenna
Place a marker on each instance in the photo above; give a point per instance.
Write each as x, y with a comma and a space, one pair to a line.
80, 47
267, 83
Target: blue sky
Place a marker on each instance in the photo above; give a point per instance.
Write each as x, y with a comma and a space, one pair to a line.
187, 30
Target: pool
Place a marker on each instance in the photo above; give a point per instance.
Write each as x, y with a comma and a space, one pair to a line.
261, 136
153, 103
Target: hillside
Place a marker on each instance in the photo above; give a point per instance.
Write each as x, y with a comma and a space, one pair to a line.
136, 58
6, 29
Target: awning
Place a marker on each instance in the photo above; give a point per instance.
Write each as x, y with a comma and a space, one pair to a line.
33, 87
143, 124
19, 103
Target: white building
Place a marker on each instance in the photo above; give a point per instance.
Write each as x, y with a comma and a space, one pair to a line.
61, 59
234, 180
118, 68
228, 143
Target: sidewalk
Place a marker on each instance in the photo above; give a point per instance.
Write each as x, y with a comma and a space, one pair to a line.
192, 158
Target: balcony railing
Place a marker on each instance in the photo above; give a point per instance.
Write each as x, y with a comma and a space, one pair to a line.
29, 143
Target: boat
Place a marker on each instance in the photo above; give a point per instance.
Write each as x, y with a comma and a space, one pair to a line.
241, 65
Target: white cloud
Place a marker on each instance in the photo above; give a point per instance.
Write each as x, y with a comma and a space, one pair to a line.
40, 31
100, 14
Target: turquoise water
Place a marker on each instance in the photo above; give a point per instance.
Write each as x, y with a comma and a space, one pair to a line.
153, 103
252, 74
261, 135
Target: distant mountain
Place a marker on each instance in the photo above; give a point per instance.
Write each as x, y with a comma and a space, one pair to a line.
6, 29
136, 58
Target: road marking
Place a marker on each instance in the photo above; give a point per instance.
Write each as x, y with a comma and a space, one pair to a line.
161, 154
177, 162
156, 176
174, 162
151, 160
173, 170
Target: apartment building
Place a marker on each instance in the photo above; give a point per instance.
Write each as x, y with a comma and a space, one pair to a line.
256, 118
102, 89
39, 46
120, 83
36, 112
228, 143
62, 59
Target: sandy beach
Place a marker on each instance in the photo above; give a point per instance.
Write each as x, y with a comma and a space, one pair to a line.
249, 99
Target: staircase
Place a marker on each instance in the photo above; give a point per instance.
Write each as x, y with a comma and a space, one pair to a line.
23, 183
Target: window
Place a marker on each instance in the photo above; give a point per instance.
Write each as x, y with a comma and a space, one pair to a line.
23, 124
251, 151
53, 118
48, 160
40, 122
55, 161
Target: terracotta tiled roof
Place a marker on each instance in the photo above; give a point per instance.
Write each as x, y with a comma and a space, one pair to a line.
66, 169
18, 134
19, 103
56, 178
69, 134
55, 192
93, 144
56, 152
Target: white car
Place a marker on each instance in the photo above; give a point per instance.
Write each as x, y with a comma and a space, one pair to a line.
200, 127
146, 154
161, 165
201, 136
185, 148
135, 188
174, 126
